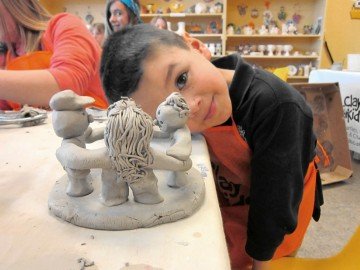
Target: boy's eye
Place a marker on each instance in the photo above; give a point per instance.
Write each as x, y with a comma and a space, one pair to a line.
181, 80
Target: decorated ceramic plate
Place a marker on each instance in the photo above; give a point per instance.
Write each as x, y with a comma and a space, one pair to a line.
292, 70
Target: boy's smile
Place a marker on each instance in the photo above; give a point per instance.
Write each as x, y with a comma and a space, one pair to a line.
204, 87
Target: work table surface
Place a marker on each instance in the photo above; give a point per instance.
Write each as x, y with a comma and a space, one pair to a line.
32, 238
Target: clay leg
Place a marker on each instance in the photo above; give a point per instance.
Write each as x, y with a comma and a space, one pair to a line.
113, 192
78, 185
146, 190
177, 179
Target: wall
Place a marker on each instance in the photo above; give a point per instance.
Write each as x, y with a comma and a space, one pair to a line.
79, 7
341, 32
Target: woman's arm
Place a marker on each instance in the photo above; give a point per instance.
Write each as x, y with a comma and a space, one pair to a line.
33, 87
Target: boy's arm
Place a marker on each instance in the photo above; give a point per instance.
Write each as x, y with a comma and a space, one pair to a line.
282, 145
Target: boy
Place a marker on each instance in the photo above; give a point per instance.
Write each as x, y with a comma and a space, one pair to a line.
258, 130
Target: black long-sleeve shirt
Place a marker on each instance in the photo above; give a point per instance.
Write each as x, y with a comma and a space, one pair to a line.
277, 124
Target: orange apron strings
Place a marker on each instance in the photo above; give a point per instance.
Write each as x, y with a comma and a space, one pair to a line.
231, 156
326, 161
293, 241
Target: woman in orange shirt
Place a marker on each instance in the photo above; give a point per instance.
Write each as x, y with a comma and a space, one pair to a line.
45, 55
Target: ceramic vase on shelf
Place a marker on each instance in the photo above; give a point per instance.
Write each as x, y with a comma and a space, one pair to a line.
169, 26
212, 48
287, 49
271, 49
262, 49
181, 28
200, 8
279, 50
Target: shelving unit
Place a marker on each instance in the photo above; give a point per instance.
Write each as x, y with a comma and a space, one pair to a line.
202, 19
308, 46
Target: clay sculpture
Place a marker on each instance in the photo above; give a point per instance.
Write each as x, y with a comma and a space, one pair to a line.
95, 191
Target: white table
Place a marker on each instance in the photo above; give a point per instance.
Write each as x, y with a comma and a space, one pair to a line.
349, 83
32, 238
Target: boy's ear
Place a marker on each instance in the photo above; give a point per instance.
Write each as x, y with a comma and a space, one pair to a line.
197, 45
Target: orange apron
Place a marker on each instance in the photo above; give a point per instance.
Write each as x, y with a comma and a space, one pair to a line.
231, 156
34, 61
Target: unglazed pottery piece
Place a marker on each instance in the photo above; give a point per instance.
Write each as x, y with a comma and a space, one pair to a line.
95, 191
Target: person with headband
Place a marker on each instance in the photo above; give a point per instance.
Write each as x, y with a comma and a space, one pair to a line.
46, 54
120, 13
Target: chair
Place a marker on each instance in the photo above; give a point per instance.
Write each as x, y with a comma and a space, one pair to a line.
347, 259
282, 73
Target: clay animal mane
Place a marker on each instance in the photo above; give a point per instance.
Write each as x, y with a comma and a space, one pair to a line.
127, 136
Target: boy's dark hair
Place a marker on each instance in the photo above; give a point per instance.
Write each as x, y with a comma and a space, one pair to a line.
124, 53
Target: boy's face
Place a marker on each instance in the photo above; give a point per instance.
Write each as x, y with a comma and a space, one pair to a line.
172, 69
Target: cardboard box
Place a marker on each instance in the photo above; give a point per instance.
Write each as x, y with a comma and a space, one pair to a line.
329, 126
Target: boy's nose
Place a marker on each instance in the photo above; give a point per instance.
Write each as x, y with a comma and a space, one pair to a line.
194, 106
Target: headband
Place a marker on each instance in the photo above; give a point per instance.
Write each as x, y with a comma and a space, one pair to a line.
130, 4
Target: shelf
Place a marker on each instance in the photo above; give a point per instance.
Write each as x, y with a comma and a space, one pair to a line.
205, 35
274, 36
311, 10
181, 15
274, 56
298, 77
278, 57
217, 56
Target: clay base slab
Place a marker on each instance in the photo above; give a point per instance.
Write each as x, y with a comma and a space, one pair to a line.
89, 212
